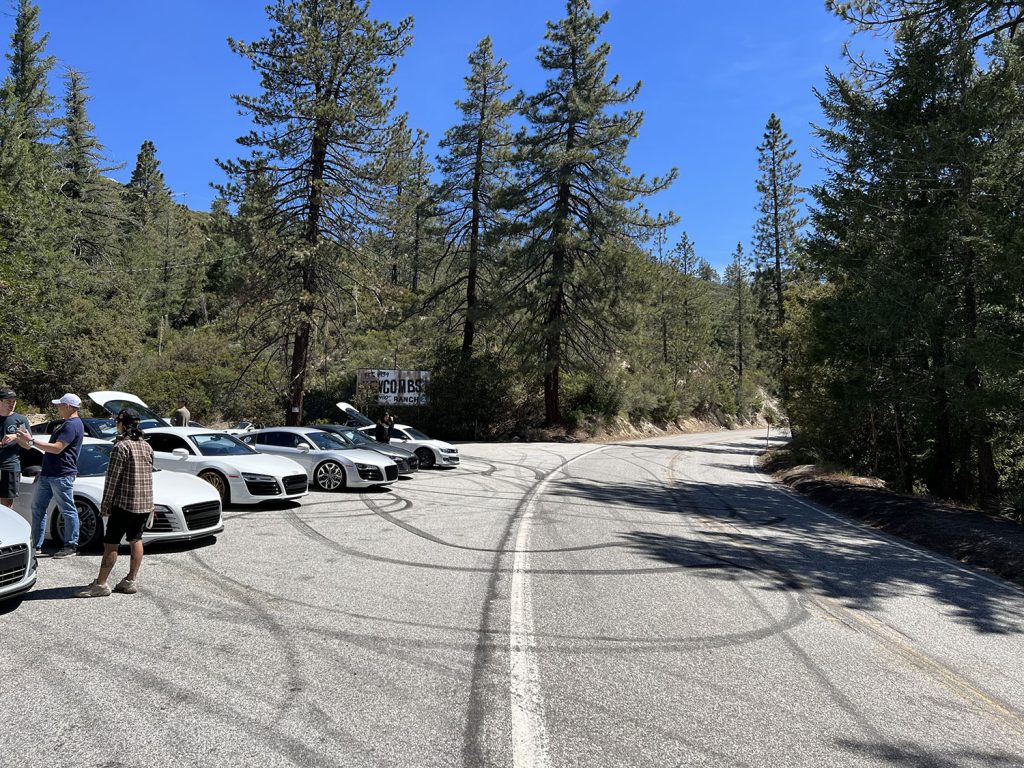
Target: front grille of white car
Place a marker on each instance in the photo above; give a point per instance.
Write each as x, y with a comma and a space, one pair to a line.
263, 487
199, 516
13, 564
162, 523
296, 484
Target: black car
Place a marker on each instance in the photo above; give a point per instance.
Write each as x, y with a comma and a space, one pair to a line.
407, 461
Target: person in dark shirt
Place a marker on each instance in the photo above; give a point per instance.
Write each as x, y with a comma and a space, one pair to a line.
57, 479
10, 460
382, 429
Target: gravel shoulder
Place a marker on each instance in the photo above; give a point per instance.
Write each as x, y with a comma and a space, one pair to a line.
972, 537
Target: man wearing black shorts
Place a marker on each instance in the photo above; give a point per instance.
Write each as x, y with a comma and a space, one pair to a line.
127, 502
10, 461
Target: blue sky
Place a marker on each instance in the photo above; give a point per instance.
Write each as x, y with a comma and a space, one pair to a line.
712, 73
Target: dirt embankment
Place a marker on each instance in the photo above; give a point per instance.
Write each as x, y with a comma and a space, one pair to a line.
995, 544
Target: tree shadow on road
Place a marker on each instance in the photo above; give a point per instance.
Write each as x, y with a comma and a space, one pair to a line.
776, 542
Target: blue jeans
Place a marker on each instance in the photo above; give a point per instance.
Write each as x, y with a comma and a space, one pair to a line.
46, 489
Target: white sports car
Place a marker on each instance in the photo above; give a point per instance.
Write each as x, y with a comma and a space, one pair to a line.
17, 561
186, 507
240, 474
331, 463
430, 452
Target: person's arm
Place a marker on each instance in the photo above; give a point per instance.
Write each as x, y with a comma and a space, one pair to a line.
115, 471
27, 440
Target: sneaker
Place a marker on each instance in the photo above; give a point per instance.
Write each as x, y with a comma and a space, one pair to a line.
66, 552
38, 552
94, 590
126, 586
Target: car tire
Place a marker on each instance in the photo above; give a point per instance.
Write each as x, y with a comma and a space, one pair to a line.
219, 482
426, 457
90, 526
330, 476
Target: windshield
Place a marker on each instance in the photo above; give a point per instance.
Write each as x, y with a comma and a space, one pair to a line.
149, 418
241, 425
355, 437
415, 434
326, 441
105, 428
219, 444
93, 459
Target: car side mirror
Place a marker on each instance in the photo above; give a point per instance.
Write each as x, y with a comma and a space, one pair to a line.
303, 448
181, 453
33, 471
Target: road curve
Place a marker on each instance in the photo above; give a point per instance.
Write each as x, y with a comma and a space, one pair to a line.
650, 603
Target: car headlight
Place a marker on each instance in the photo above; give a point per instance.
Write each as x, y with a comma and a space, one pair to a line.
162, 509
449, 450
255, 478
365, 466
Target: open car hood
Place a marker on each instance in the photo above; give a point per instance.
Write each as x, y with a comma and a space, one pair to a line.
112, 402
355, 418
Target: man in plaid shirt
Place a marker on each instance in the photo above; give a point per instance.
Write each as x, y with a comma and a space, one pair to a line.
127, 500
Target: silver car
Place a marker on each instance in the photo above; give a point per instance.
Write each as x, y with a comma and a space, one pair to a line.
331, 464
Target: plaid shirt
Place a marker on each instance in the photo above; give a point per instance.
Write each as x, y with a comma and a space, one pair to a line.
129, 484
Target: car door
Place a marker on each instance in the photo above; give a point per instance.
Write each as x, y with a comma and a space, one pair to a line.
163, 446
285, 444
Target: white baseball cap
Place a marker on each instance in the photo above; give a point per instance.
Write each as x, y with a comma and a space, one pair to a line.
68, 399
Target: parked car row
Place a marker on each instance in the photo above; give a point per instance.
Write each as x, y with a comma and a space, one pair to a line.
198, 470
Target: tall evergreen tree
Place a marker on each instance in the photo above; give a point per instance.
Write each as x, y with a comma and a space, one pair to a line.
321, 138
574, 201
775, 238
740, 324
474, 165
94, 207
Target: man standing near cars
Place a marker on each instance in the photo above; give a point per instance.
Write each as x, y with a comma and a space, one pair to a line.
127, 503
10, 461
182, 416
57, 479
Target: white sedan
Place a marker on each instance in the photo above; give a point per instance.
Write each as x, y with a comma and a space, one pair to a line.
331, 463
17, 560
429, 451
186, 507
240, 474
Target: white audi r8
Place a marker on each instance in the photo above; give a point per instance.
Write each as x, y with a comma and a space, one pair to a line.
240, 474
17, 560
185, 507
331, 463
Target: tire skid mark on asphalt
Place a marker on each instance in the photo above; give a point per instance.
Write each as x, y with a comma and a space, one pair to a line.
409, 527
297, 683
886, 637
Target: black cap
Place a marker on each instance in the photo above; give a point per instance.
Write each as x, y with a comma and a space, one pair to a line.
6, 393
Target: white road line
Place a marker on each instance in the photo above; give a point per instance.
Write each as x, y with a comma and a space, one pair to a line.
529, 731
1007, 586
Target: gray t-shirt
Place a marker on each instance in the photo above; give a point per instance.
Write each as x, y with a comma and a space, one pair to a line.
9, 454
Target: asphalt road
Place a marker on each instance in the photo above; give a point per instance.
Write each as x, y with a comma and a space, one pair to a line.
655, 603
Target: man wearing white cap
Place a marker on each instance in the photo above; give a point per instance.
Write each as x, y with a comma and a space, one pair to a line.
57, 479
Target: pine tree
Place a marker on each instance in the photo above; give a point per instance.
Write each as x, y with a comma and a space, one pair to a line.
474, 165
574, 202
321, 138
740, 324
775, 238
94, 208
